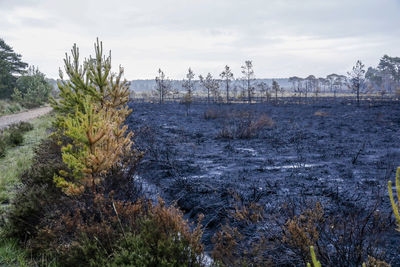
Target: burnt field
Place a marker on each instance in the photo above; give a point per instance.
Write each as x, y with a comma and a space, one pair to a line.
281, 160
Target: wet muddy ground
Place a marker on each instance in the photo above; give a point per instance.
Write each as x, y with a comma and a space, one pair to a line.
339, 154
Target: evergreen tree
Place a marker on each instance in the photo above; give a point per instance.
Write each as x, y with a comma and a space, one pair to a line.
32, 89
91, 113
227, 75
210, 84
264, 89
11, 65
188, 84
356, 79
163, 86
276, 89
248, 76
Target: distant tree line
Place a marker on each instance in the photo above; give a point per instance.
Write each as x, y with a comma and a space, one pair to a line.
225, 88
384, 80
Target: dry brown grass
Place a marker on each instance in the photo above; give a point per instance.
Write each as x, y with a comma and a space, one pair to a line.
321, 114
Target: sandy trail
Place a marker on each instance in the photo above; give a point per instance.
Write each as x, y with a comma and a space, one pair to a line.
28, 115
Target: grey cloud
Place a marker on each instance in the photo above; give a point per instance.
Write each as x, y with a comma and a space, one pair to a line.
285, 36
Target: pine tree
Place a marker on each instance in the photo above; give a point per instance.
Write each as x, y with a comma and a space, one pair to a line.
188, 84
275, 88
11, 65
91, 114
227, 75
210, 84
32, 89
356, 79
248, 76
163, 86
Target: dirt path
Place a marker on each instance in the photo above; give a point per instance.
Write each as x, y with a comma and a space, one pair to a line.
7, 120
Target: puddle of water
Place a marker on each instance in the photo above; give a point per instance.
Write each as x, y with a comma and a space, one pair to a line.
247, 150
166, 126
294, 166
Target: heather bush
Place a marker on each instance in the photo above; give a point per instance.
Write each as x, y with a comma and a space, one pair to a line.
9, 107
233, 247
15, 136
212, 113
3, 145
346, 238
24, 126
244, 125
38, 193
249, 127
114, 233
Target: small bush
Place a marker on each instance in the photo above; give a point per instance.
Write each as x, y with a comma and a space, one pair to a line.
15, 133
321, 114
227, 132
24, 126
15, 137
9, 107
3, 146
245, 126
38, 193
345, 238
212, 113
251, 127
232, 244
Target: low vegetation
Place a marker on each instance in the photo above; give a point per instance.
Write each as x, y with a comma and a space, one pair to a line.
18, 153
9, 107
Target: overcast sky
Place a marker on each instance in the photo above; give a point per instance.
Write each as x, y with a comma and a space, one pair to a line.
282, 37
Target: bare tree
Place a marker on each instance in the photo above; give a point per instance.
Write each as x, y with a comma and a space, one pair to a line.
227, 75
248, 76
356, 79
163, 86
210, 84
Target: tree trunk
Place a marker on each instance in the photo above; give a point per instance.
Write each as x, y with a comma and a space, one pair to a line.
227, 91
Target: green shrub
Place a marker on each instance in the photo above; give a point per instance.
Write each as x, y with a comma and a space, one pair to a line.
15, 133
15, 136
24, 126
38, 193
9, 107
3, 146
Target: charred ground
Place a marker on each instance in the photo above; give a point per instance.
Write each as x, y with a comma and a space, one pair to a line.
278, 156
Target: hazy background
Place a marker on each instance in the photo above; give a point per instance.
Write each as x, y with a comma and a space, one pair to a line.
283, 37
